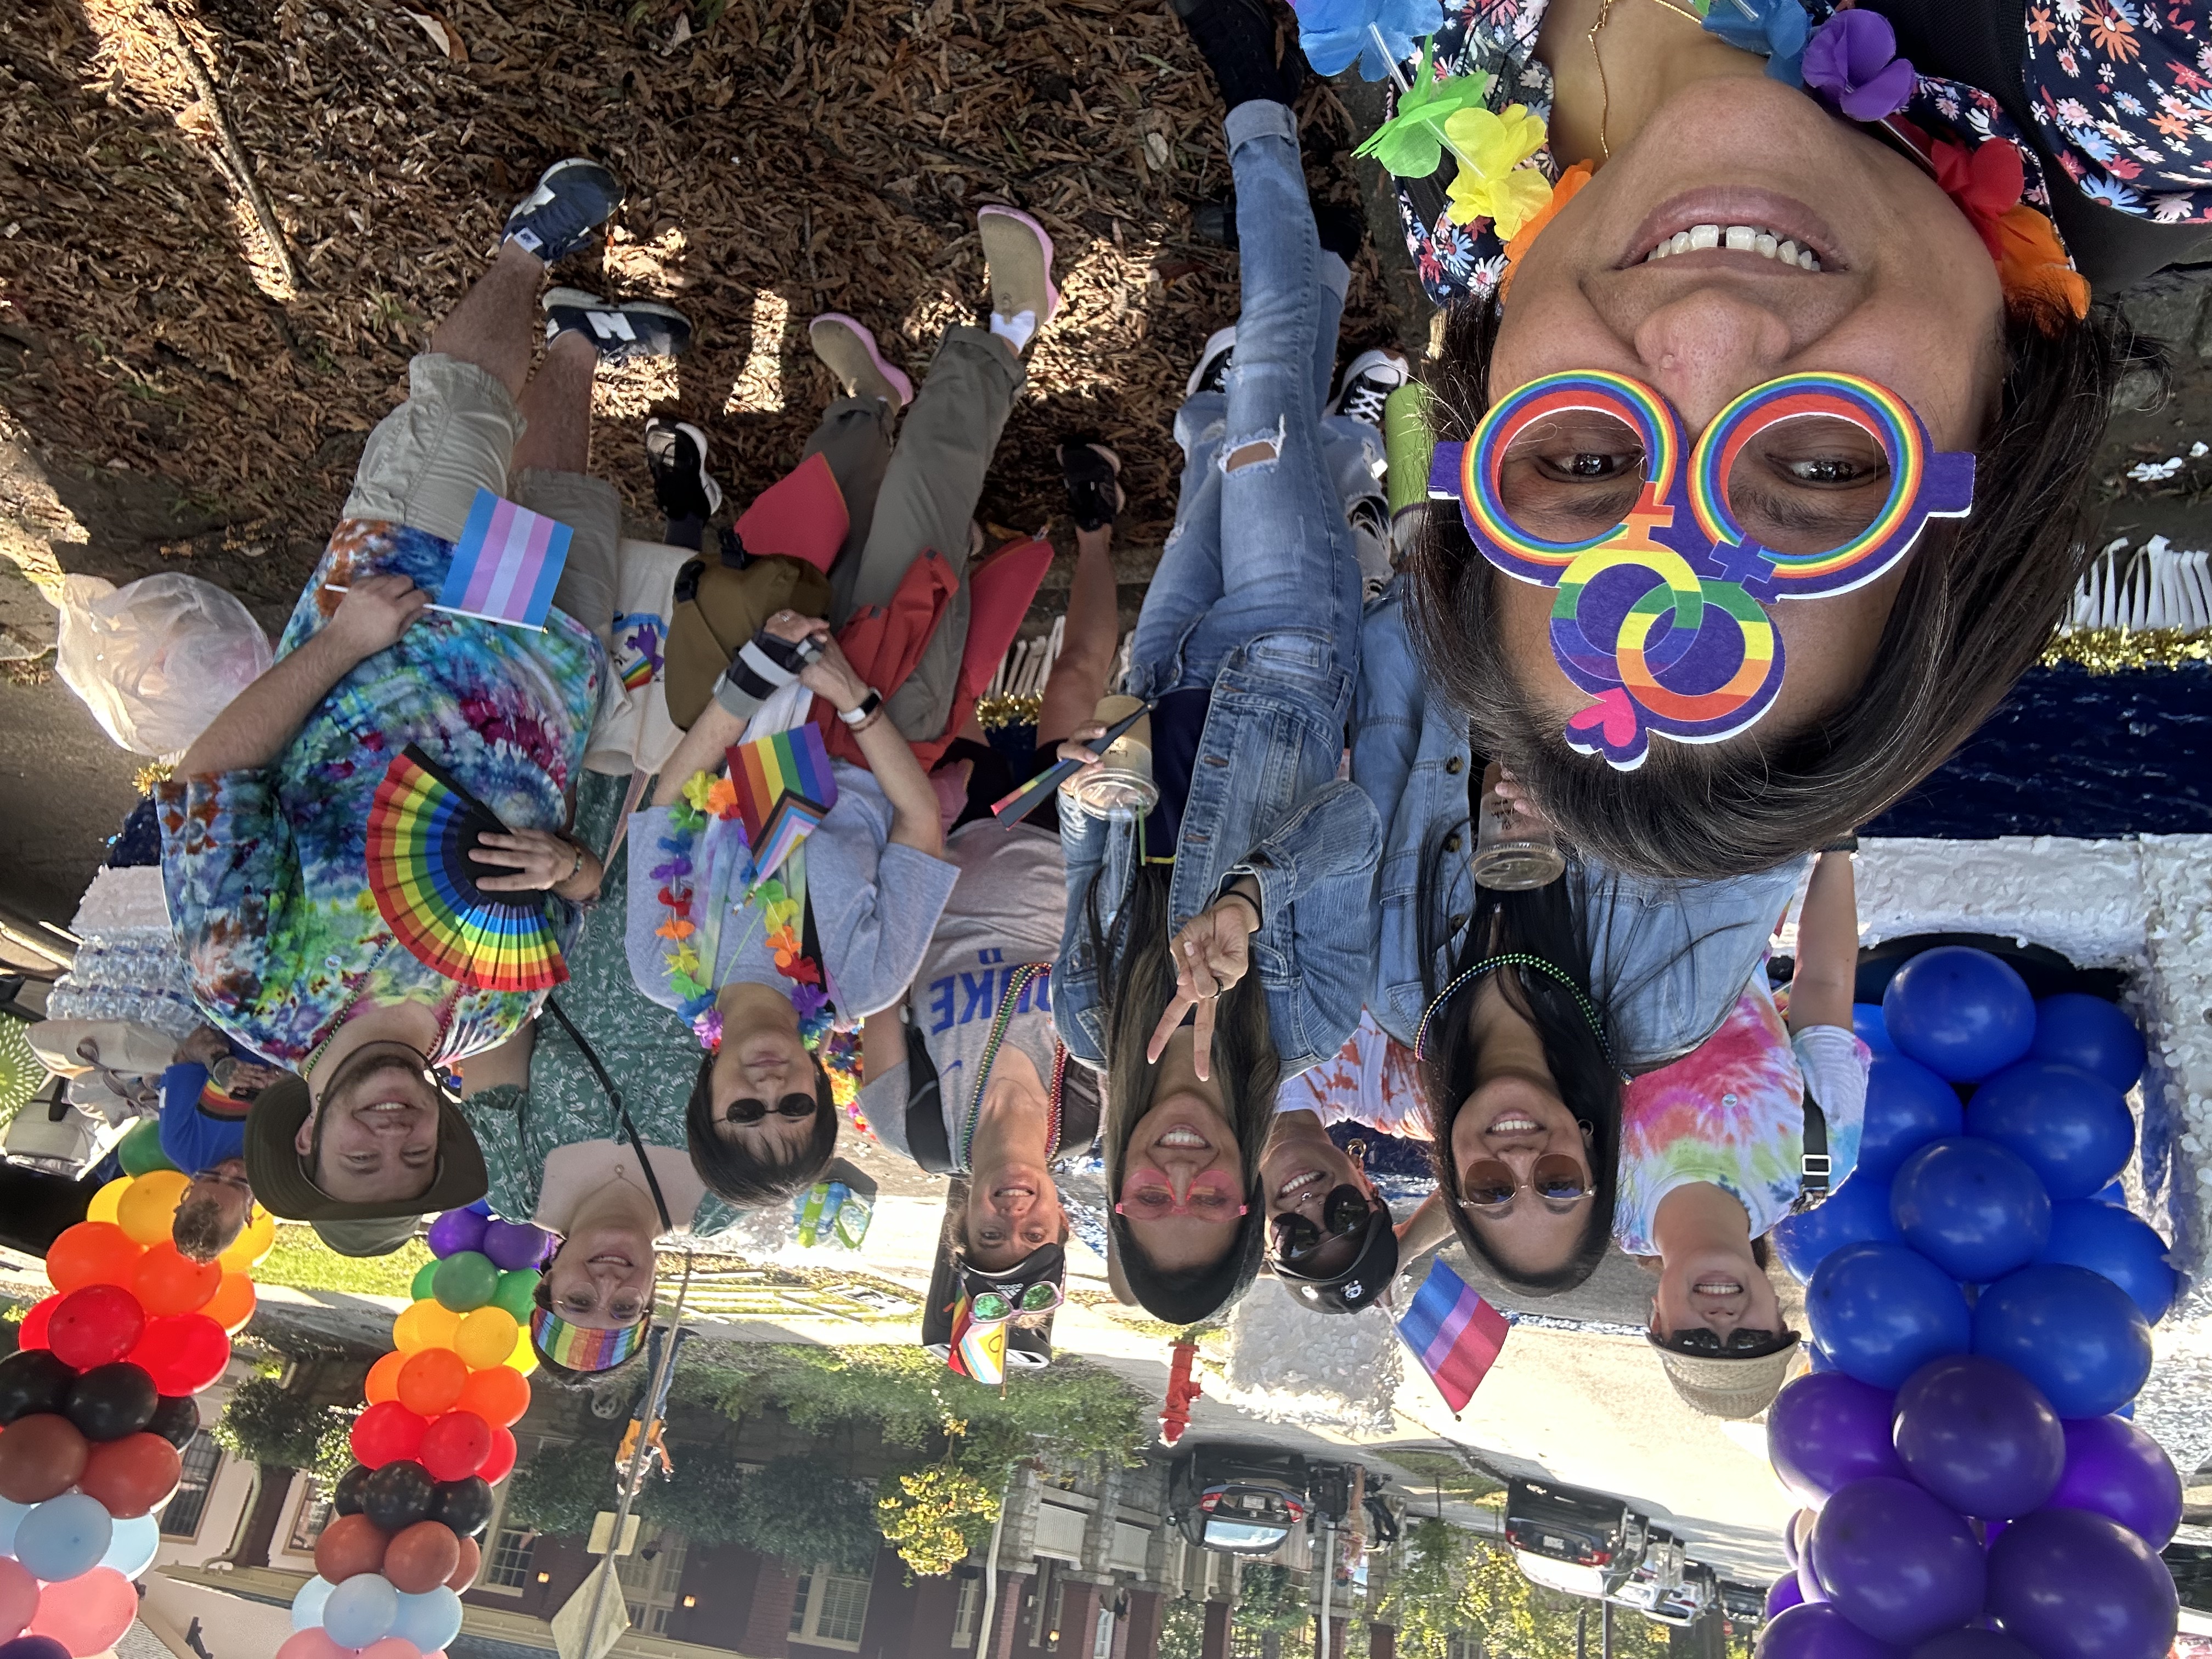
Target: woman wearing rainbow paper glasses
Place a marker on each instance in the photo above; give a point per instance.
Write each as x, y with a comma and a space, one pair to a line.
1803, 385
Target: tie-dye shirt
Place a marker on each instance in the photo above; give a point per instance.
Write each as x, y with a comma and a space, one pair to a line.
1371, 1080
1731, 1112
267, 870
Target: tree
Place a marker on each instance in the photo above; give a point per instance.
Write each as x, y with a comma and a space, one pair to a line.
1182, 1629
562, 1485
280, 1430
788, 1509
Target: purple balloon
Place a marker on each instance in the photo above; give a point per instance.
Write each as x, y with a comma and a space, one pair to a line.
1817, 1631
1980, 1437
2115, 1469
1825, 1432
1785, 1592
34, 1647
514, 1246
1973, 1645
1810, 1587
457, 1230
1899, 1564
2076, 1585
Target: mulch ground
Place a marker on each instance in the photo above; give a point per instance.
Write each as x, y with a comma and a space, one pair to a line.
784, 157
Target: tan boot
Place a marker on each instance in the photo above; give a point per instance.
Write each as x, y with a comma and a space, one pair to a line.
850, 351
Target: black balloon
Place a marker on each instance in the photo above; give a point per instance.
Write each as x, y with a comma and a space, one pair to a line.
32, 1380
176, 1420
464, 1505
349, 1496
397, 1495
110, 1401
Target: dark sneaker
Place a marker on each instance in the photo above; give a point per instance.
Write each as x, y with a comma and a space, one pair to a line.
1341, 228
1212, 373
1216, 221
623, 332
1369, 380
676, 456
1092, 473
1370, 520
565, 214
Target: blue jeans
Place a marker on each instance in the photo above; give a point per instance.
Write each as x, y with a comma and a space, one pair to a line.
1263, 548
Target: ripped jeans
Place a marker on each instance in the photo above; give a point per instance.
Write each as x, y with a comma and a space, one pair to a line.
1261, 548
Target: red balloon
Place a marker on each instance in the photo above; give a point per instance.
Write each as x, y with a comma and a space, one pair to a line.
41, 1457
92, 1252
422, 1558
312, 1643
455, 1446
32, 1333
88, 1614
132, 1476
184, 1352
388, 1433
96, 1326
501, 1463
350, 1546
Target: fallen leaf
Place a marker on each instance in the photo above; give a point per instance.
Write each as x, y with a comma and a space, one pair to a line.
443, 35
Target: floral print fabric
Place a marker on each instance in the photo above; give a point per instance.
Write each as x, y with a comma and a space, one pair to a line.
2122, 91
266, 872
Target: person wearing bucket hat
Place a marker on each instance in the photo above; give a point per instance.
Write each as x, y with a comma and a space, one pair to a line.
1330, 1239
1736, 1376
387, 1140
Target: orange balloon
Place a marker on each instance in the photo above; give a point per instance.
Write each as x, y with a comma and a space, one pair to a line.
168, 1281
499, 1395
430, 1381
92, 1252
384, 1378
232, 1303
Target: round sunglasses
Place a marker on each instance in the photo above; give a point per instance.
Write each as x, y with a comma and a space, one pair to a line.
745, 1110
1491, 1184
1293, 1238
1000, 1304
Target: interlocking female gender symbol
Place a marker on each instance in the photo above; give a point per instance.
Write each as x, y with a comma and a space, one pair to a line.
1659, 618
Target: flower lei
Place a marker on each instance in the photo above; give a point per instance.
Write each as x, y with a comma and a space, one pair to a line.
706, 796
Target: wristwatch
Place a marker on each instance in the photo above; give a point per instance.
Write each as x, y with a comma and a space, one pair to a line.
859, 713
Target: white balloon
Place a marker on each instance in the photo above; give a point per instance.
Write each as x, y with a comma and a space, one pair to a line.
307, 1605
136, 1543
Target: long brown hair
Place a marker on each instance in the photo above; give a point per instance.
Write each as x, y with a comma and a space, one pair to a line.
1978, 602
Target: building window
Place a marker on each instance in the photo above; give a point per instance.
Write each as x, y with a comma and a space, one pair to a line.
965, 1611
651, 1581
308, 1523
830, 1609
507, 1552
202, 1460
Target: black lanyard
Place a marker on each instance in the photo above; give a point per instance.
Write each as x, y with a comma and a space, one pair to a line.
667, 1225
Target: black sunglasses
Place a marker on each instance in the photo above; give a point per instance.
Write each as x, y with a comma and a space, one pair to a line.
1292, 1239
1699, 1339
744, 1109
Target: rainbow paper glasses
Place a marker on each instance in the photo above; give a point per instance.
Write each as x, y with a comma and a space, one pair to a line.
1659, 618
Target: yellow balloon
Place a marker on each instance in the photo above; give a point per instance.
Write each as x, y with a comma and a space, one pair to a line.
424, 1324
145, 1211
487, 1337
251, 1247
525, 1358
104, 1201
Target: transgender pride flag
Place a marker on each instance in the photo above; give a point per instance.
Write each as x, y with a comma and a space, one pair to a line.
1453, 1333
506, 564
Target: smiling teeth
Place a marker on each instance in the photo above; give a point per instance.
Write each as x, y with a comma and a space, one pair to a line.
1298, 1183
1741, 239
1179, 1137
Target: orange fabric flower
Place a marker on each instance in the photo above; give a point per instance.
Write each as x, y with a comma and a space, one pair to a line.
2032, 263
1562, 193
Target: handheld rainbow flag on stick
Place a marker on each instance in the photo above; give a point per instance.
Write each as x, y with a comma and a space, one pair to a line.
506, 564
1454, 1333
785, 788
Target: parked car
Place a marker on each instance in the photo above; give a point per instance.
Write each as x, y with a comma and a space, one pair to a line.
1743, 1606
1657, 1573
1564, 1538
1684, 1604
1245, 1500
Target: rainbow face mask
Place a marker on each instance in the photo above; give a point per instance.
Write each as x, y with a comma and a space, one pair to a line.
1659, 618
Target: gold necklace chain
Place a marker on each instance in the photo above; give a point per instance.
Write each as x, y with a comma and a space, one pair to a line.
1604, 91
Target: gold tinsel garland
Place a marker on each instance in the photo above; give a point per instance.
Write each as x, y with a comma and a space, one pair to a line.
991, 713
2114, 650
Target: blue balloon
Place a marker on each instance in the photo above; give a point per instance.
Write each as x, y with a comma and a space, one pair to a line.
2112, 1192
1817, 1362
307, 1605
1907, 1106
1961, 1012
2072, 1128
11, 1517
1868, 1026
1855, 1213
2074, 1334
2125, 1249
64, 1536
1882, 1311
1970, 1206
2074, 1028
362, 1610
429, 1620
136, 1543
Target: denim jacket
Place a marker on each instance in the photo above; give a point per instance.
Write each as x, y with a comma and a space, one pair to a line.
1264, 801
1671, 956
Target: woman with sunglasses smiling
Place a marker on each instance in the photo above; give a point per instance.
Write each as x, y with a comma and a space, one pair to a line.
1770, 189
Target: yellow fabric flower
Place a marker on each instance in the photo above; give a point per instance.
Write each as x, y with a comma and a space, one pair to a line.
1492, 183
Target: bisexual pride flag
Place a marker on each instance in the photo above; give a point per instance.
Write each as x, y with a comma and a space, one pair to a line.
1453, 1333
506, 564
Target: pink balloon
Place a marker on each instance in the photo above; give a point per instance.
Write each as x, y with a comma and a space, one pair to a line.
313, 1644
19, 1598
88, 1614
391, 1647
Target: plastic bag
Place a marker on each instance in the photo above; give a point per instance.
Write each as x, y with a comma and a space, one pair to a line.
157, 660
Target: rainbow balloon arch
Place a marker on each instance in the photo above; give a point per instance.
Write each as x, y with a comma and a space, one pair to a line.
1981, 1320
437, 1437
97, 1404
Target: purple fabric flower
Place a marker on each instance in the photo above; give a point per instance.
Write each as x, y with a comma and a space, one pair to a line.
1852, 61
808, 1000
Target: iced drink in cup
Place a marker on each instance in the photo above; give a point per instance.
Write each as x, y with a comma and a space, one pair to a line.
1122, 782
1514, 851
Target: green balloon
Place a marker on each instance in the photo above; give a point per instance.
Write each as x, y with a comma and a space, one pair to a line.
140, 1150
464, 1281
423, 1277
516, 1293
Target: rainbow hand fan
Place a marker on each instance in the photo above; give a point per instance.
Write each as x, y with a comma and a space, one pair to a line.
785, 788
422, 827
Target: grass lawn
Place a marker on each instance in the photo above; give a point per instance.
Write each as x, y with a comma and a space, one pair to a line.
301, 1259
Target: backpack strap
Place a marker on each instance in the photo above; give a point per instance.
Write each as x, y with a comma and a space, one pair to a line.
1813, 1164
926, 1140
